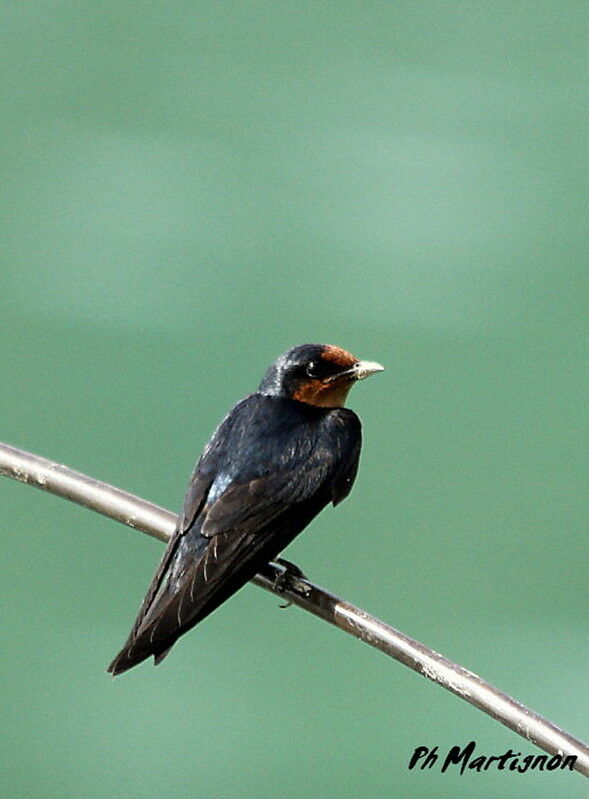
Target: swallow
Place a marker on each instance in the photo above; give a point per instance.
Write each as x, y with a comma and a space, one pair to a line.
277, 459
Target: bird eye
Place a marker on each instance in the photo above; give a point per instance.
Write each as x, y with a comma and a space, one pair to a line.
313, 369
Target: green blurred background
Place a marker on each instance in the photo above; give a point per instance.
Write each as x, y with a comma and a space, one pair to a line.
189, 188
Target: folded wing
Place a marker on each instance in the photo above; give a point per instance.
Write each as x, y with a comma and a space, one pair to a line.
231, 525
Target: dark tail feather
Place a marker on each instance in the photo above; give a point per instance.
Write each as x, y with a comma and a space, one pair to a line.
157, 659
131, 655
170, 615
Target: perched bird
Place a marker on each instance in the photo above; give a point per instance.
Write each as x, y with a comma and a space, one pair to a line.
276, 460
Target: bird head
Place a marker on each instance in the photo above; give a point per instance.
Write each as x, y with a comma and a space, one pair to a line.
318, 374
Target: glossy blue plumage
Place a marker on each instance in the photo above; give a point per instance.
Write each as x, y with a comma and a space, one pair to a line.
269, 468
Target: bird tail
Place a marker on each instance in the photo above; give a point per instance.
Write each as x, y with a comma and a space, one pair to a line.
132, 654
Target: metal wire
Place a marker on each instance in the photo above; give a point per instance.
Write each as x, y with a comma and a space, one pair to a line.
160, 523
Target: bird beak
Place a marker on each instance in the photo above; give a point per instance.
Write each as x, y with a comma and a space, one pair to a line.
358, 371
364, 369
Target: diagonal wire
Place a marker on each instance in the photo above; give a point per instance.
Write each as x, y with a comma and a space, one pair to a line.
160, 523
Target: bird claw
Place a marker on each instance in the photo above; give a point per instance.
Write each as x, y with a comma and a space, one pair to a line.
292, 578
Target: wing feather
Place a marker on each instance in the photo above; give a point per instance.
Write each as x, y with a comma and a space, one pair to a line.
224, 536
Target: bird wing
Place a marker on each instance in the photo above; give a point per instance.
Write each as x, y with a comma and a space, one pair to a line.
222, 540
196, 494
195, 499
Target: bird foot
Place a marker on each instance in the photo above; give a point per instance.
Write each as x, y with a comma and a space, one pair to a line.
292, 577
